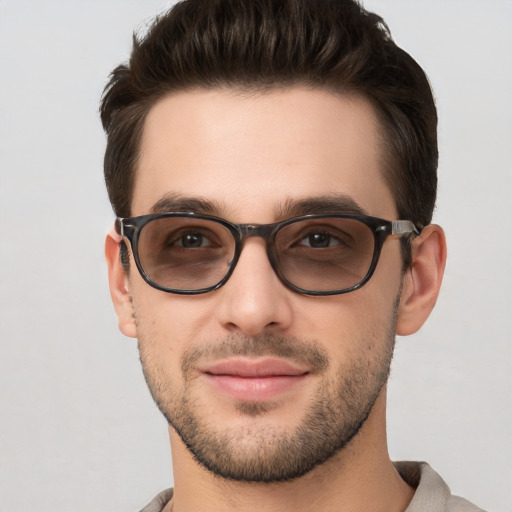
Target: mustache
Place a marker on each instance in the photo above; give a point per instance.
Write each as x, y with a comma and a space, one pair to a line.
273, 345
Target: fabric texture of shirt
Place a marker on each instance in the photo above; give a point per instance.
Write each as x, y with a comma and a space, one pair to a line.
432, 494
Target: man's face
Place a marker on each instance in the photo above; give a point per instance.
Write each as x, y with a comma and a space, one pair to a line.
262, 383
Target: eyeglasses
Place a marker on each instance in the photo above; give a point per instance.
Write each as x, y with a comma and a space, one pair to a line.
317, 254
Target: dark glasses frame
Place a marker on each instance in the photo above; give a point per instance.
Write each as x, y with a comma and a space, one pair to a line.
130, 229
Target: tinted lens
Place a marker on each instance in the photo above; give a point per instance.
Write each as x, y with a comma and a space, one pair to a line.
183, 253
324, 254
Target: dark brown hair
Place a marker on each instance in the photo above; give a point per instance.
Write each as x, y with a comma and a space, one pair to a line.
262, 44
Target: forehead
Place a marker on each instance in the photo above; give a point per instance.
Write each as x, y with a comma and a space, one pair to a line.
252, 153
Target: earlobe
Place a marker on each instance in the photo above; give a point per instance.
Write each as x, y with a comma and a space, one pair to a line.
119, 286
422, 281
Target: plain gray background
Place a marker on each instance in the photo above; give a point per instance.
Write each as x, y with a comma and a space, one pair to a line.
78, 428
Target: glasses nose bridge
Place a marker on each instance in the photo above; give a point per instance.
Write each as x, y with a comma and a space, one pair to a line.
264, 231
256, 230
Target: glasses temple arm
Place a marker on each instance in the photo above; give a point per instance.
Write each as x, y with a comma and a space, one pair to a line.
404, 227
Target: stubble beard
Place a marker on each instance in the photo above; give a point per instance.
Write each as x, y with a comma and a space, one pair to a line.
261, 452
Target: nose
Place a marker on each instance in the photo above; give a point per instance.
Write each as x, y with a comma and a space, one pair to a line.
254, 300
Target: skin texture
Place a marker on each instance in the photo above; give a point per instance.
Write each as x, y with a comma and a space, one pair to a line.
250, 156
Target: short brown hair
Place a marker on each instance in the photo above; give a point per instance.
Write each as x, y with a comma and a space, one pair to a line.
262, 44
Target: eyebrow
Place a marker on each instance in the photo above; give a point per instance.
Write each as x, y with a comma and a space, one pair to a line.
172, 202
178, 203
320, 204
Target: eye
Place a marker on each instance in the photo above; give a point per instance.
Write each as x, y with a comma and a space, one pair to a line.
191, 240
319, 240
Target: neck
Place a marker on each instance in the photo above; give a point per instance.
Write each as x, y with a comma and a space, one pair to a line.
360, 477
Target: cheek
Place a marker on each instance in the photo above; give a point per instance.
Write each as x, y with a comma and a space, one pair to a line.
351, 324
167, 323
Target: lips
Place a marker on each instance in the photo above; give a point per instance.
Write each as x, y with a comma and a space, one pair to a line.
251, 368
254, 380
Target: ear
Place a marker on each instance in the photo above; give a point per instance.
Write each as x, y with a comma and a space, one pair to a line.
422, 281
119, 286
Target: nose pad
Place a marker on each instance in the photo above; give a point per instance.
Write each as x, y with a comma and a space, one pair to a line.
254, 299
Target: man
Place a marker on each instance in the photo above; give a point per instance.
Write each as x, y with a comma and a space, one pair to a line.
272, 164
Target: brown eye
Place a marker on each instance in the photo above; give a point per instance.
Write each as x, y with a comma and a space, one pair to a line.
192, 241
320, 240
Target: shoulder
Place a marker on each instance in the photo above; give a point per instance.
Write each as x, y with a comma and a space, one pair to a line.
159, 502
432, 493
457, 504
